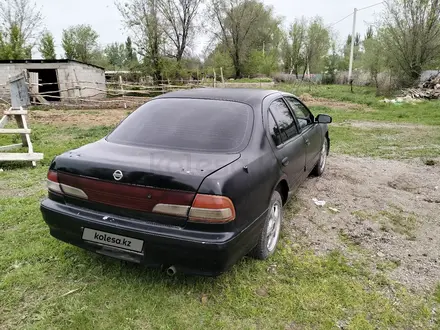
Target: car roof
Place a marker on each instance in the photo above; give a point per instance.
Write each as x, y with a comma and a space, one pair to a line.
244, 95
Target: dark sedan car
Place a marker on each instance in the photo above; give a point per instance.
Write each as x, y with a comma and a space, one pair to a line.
191, 181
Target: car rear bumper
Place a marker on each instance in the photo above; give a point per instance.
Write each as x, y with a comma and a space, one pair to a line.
188, 251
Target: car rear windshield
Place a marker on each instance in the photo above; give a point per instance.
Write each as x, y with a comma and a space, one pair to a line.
188, 124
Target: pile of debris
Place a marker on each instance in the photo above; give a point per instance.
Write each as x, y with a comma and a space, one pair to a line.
429, 89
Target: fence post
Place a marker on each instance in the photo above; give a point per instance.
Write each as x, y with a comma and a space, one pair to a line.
215, 77
223, 79
122, 90
121, 85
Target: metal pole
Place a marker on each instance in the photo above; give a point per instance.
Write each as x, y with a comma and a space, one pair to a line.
350, 70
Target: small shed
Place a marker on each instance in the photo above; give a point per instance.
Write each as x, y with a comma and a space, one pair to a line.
58, 80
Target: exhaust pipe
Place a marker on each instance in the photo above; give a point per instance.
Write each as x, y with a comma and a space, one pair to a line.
171, 271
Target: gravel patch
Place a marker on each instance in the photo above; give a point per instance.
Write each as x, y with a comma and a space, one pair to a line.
384, 211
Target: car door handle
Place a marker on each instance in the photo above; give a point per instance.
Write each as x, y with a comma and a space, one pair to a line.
307, 142
285, 161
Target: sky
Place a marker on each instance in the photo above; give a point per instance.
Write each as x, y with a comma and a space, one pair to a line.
104, 17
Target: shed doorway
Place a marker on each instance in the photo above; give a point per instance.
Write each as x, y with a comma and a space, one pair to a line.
48, 84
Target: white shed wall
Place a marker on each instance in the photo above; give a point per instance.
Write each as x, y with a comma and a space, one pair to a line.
71, 75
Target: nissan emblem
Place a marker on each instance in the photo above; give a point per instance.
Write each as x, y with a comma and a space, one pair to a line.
118, 175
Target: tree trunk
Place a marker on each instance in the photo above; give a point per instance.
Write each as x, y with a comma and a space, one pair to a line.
237, 72
179, 55
237, 66
304, 73
416, 72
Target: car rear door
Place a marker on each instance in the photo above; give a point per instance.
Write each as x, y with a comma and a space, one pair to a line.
309, 129
288, 144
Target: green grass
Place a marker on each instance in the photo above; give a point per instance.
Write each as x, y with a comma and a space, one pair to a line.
361, 95
393, 219
251, 80
418, 137
46, 284
38, 272
209, 81
426, 112
389, 143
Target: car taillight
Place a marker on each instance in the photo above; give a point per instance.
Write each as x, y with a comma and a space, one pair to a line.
212, 209
205, 209
59, 188
171, 209
52, 182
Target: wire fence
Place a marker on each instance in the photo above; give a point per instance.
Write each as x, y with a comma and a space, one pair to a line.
92, 94
111, 94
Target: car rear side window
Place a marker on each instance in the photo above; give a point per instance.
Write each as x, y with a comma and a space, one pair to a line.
187, 124
286, 126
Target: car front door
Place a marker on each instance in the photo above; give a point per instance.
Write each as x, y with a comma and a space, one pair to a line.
309, 129
289, 146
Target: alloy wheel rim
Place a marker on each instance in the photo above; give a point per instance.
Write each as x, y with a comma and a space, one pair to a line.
273, 228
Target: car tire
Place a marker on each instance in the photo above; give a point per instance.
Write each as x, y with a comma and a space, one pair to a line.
322, 162
268, 239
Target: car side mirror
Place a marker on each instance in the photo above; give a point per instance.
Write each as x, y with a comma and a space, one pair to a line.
324, 119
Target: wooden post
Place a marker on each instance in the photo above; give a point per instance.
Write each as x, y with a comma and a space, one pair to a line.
223, 79
215, 77
77, 88
34, 84
121, 85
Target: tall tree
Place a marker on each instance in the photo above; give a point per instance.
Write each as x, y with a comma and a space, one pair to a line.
80, 42
24, 18
297, 36
13, 45
241, 26
141, 17
332, 63
317, 44
369, 34
47, 46
179, 23
411, 33
373, 58
130, 54
116, 55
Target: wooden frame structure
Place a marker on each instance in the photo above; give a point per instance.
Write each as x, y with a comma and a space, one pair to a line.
22, 128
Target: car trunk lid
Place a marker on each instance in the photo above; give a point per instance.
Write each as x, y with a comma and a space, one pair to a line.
131, 181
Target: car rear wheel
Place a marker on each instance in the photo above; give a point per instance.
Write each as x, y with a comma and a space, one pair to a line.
269, 236
320, 166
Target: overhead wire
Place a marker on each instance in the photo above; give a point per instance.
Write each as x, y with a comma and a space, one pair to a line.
342, 19
351, 14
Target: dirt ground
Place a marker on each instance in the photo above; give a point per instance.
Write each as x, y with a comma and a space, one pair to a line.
85, 118
318, 101
382, 212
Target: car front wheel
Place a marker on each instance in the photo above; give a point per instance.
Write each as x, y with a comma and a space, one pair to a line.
268, 239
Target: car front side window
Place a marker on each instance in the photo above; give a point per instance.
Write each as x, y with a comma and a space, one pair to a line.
303, 114
280, 115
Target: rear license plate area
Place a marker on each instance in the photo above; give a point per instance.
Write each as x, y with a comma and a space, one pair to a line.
113, 240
